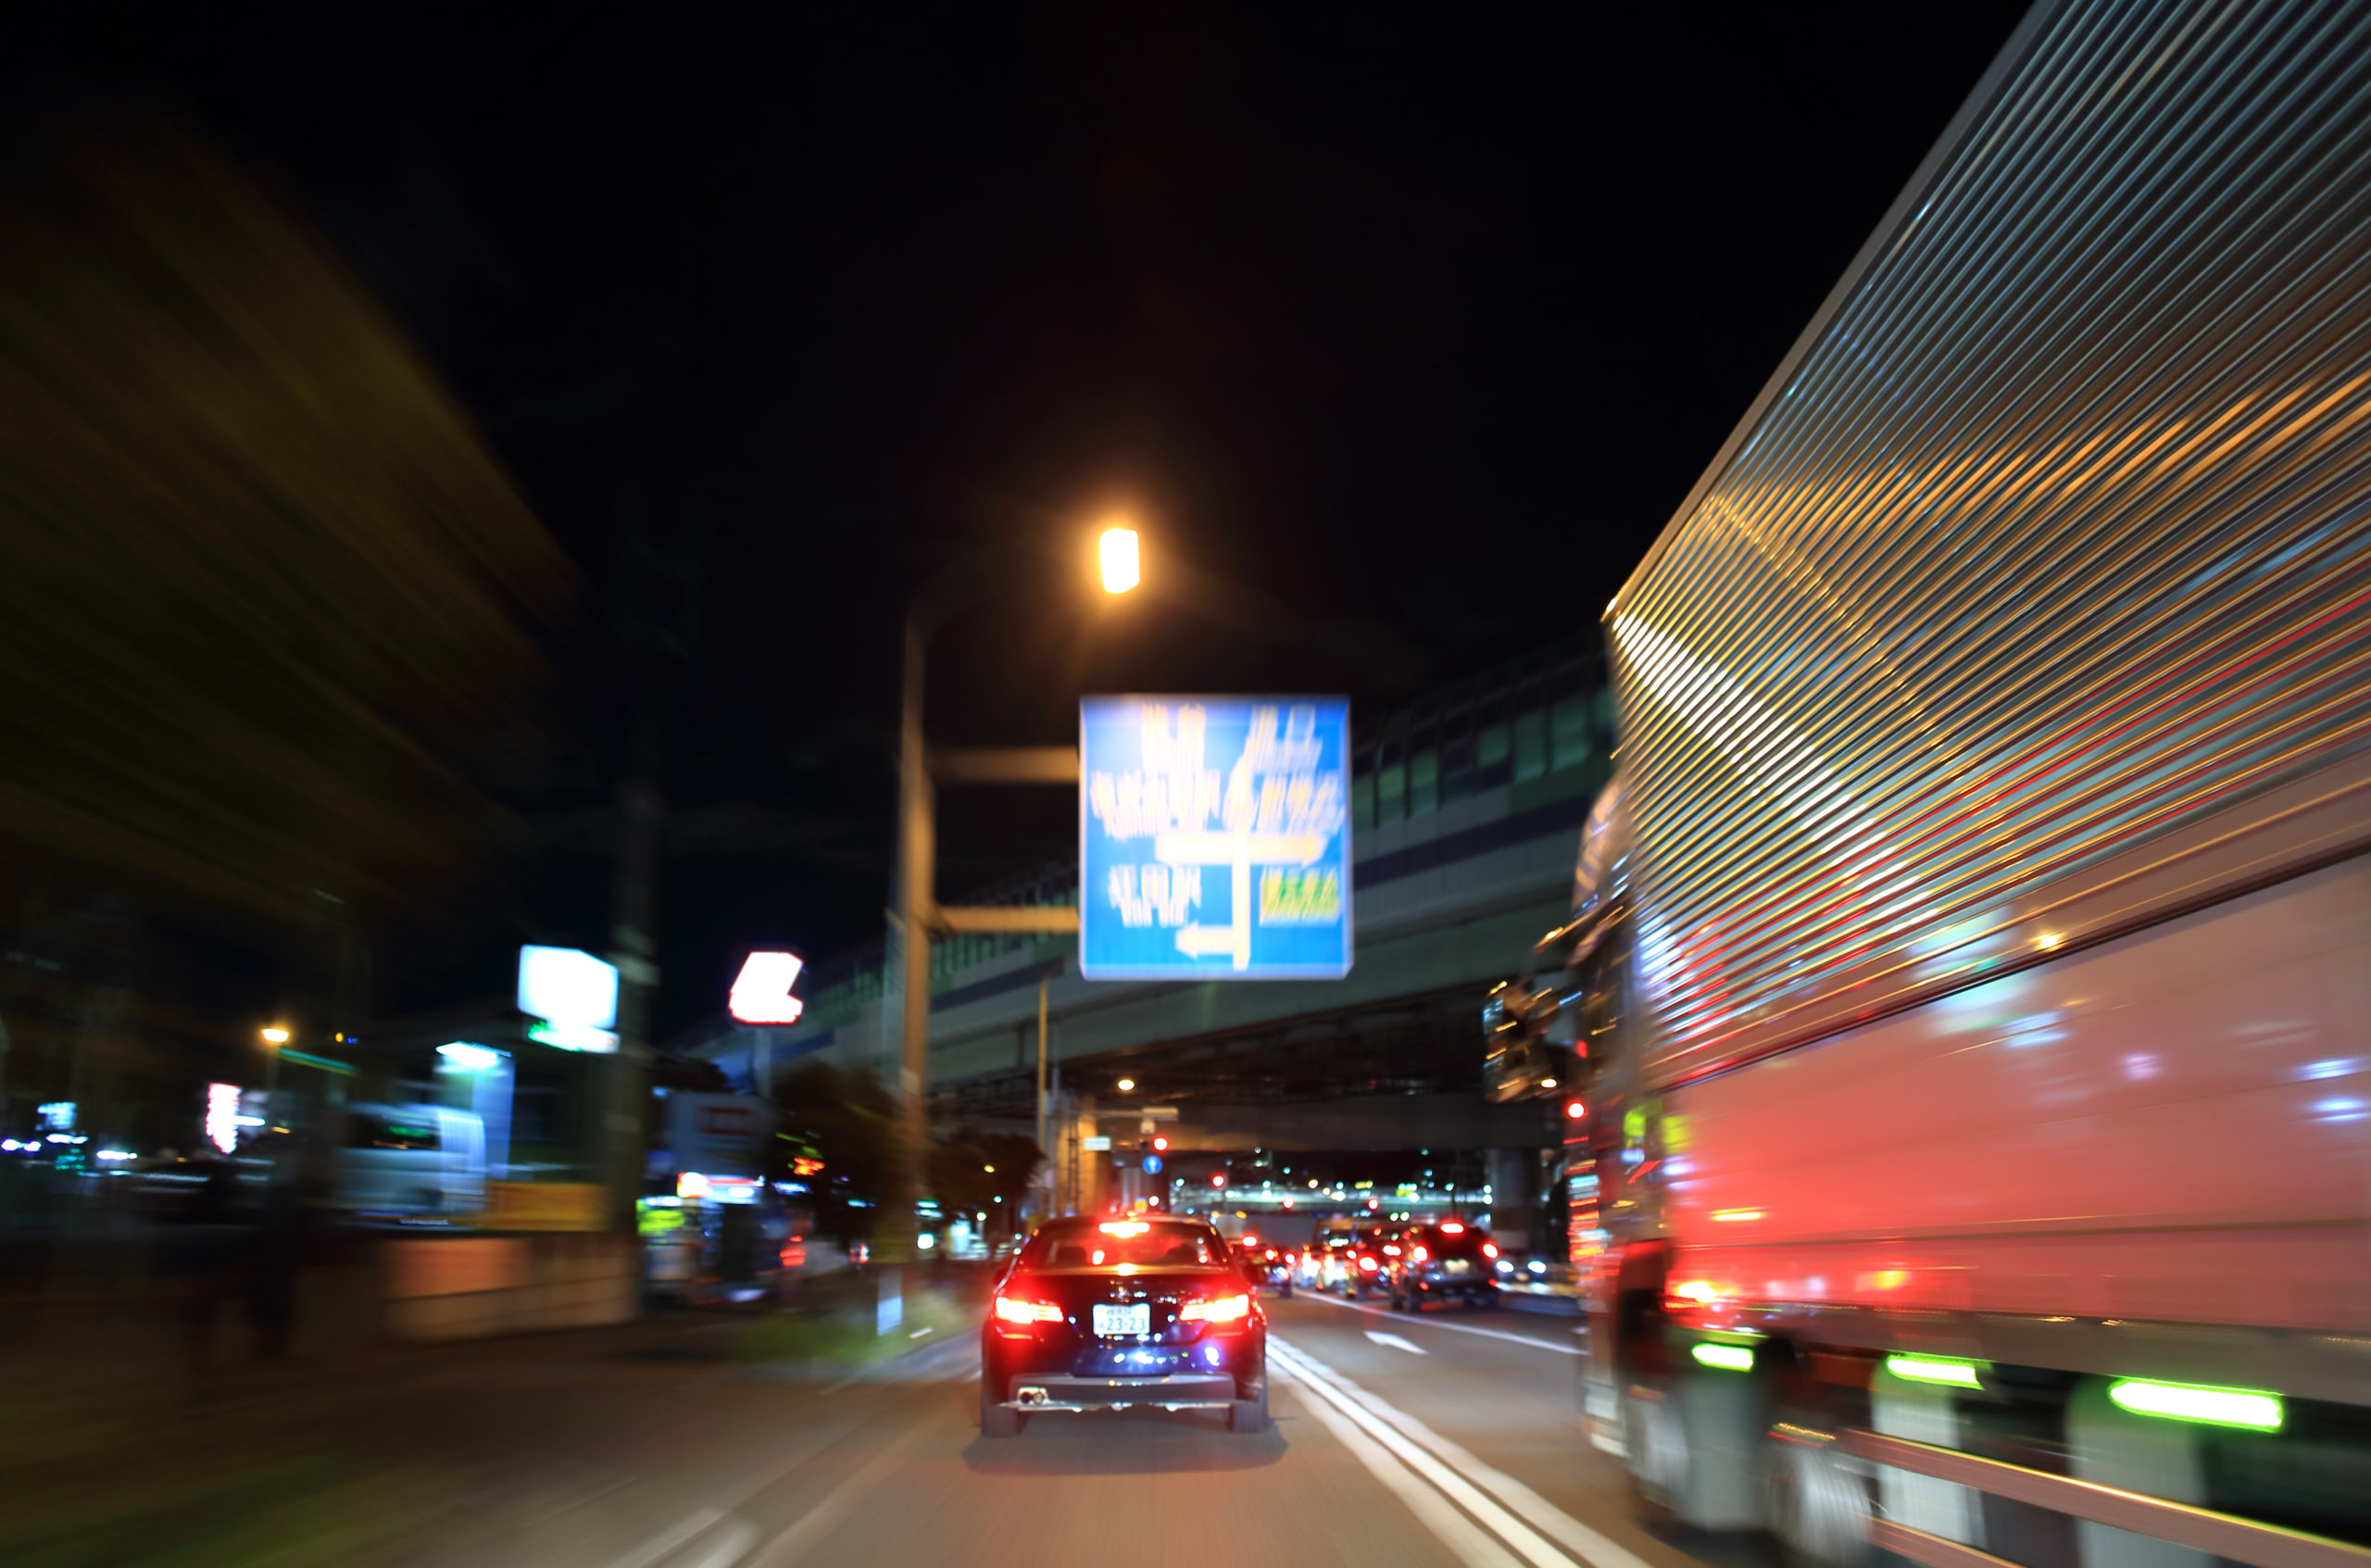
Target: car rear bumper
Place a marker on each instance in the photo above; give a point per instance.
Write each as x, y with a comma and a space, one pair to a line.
1036, 1392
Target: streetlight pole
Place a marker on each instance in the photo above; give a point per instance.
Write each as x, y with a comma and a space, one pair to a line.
916, 914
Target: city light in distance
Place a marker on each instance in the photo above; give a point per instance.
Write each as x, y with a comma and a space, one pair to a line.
1125, 1086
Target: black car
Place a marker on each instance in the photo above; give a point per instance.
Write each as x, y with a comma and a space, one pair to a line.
1106, 1314
1450, 1261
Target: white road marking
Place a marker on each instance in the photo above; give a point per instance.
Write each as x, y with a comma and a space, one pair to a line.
724, 1548
1473, 1548
834, 1506
667, 1540
1452, 1327
1591, 1546
1527, 1543
1396, 1342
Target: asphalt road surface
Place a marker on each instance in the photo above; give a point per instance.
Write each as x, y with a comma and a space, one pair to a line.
1447, 1439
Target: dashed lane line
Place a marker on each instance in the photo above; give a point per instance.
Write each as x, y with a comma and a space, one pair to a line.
1452, 1327
1396, 1342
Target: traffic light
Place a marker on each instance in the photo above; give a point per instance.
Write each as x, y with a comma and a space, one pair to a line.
1161, 1144
1574, 1109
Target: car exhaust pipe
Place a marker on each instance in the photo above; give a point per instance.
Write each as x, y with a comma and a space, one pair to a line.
1025, 1398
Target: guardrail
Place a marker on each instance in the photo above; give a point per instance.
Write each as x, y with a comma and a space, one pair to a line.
2221, 1535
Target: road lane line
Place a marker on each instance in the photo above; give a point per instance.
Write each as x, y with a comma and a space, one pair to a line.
1452, 1529
1592, 1546
738, 1536
1396, 1342
1526, 1541
667, 1540
835, 1504
1452, 1327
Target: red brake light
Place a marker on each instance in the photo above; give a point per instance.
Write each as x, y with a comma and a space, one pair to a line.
1421, 1255
1011, 1310
1490, 1249
1227, 1308
1391, 1252
1366, 1263
1453, 1227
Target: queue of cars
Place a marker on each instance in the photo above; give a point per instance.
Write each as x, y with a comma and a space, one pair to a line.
1408, 1265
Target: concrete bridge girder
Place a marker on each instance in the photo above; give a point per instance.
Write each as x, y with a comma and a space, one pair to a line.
1361, 1124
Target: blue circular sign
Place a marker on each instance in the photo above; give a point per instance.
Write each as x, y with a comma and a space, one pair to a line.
1152, 1164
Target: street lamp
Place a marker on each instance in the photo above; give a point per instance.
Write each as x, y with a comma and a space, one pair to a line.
274, 1036
917, 915
1120, 564
1126, 1085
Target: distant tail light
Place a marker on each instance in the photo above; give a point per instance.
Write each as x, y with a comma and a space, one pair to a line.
1227, 1308
1391, 1252
1366, 1265
1420, 1255
1490, 1249
1009, 1310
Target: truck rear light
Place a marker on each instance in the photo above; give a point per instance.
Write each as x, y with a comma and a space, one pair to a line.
1227, 1308
1010, 1310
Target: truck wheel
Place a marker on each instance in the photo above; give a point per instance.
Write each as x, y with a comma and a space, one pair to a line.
1657, 1452
1819, 1509
994, 1420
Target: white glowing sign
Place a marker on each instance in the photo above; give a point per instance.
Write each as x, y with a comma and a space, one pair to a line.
575, 993
762, 995
222, 1116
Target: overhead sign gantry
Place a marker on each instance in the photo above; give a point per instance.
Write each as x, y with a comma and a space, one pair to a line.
1213, 838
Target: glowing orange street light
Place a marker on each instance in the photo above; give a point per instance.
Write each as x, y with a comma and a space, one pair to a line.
1120, 570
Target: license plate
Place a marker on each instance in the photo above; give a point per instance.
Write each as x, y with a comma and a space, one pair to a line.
1123, 1320
1457, 1266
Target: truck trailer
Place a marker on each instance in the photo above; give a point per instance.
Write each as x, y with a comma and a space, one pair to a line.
1971, 962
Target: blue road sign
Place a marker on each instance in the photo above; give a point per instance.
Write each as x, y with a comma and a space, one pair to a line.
1152, 1164
1214, 837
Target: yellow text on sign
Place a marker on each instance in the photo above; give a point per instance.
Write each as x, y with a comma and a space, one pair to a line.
1299, 897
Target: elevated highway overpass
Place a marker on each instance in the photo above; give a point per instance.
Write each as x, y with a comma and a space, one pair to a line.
1466, 816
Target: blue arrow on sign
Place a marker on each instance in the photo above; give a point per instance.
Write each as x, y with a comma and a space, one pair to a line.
1152, 1164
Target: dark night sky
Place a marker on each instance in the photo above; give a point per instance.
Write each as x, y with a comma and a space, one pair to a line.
1412, 328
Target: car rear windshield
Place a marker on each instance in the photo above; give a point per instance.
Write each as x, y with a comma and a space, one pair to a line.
1466, 1243
1142, 1244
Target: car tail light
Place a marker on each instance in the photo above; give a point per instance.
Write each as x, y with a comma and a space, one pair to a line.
1490, 1249
1420, 1255
1227, 1308
1391, 1252
1013, 1310
1366, 1265
1453, 1227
